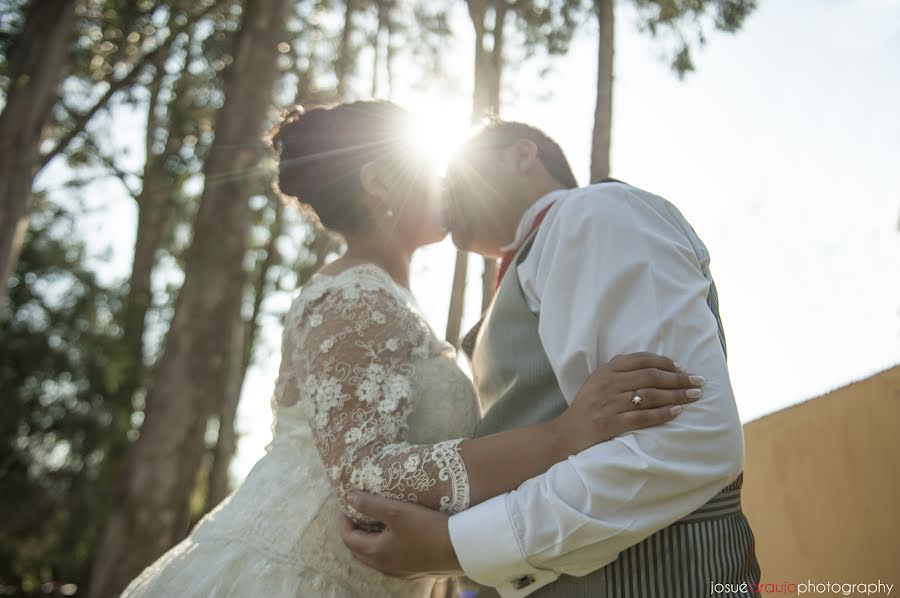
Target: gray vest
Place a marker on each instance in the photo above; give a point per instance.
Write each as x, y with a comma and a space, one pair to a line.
517, 387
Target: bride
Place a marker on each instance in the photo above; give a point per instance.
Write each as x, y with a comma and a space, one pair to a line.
368, 397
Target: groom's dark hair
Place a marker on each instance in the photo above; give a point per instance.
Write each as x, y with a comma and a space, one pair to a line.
496, 133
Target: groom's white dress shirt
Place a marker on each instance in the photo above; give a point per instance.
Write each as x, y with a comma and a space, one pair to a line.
612, 270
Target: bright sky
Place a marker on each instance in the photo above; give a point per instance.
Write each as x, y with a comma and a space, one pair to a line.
783, 150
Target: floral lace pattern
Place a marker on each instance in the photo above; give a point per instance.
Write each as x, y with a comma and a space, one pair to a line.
354, 362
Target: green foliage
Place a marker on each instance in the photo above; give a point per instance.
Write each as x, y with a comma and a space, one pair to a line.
418, 30
12, 17
56, 371
684, 22
547, 25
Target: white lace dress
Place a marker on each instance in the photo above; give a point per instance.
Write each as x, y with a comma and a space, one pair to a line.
367, 398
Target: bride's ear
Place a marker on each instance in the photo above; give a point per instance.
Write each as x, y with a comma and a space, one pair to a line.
371, 181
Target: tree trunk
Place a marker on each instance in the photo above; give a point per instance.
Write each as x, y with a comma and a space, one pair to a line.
477, 13
457, 295
37, 62
483, 96
600, 146
226, 441
391, 54
151, 221
485, 101
241, 356
155, 207
496, 56
191, 376
381, 9
344, 61
489, 274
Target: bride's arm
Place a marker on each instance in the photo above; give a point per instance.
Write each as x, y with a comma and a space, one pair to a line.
501, 462
359, 346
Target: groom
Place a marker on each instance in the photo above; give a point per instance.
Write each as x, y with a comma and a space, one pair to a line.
586, 273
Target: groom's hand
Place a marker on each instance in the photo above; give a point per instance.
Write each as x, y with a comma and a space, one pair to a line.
415, 541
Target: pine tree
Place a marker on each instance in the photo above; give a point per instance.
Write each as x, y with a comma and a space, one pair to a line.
192, 371
658, 17
35, 63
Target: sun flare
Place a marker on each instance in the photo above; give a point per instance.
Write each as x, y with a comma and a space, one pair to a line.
437, 133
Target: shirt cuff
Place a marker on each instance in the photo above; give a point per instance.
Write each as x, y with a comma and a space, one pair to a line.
488, 550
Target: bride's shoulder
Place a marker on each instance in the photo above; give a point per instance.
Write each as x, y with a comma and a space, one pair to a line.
351, 282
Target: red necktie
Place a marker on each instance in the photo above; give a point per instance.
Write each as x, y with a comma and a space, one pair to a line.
509, 255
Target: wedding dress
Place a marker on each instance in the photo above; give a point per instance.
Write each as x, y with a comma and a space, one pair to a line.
367, 398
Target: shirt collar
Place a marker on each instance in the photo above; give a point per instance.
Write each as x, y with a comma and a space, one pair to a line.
530, 214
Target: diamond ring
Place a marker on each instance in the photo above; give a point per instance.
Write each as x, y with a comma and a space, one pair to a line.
636, 398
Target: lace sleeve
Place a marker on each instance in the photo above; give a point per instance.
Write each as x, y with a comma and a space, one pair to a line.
360, 346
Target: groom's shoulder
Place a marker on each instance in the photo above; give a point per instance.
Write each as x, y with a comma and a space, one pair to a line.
609, 202
630, 210
623, 193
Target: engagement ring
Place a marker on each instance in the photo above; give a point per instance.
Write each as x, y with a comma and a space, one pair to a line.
636, 398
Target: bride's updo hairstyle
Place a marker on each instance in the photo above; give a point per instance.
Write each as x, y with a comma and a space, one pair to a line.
322, 150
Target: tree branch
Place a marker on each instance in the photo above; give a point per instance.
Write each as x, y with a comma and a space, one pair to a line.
128, 79
110, 163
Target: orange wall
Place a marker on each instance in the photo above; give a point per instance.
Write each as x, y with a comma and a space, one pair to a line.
822, 486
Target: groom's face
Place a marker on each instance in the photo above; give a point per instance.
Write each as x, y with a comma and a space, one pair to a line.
481, 199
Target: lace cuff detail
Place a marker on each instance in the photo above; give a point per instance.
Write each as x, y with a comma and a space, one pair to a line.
359, 347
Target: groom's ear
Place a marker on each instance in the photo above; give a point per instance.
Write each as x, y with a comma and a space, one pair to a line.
526, 155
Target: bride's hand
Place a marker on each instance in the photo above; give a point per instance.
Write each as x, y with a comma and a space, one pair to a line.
606, 407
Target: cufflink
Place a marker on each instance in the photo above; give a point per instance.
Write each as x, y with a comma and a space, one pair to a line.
521, 582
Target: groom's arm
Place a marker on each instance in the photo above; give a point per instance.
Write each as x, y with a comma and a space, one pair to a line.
612, 276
